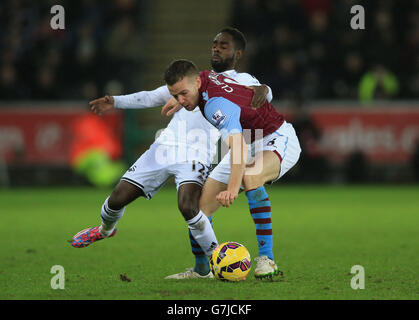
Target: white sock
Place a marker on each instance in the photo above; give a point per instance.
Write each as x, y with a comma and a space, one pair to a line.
109, 218
203, 233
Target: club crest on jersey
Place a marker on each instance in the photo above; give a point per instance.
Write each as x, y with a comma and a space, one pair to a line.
218, 117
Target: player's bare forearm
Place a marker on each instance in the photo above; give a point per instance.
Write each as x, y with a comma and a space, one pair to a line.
236, 177
238, 156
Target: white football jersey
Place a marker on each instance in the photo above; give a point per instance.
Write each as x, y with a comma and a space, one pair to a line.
193, 137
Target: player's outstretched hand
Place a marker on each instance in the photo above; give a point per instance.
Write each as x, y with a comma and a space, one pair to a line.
259, 96
226, 198
171, 107
102, 104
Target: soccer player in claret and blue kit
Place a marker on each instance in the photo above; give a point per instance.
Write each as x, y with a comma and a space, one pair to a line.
191, 159
262, 148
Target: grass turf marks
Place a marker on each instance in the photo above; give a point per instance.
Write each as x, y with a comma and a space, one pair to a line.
320, 232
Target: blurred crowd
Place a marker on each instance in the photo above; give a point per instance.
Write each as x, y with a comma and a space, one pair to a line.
102, 40
306, 49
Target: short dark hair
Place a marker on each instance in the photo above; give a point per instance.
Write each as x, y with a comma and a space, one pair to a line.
179, 69
238, 37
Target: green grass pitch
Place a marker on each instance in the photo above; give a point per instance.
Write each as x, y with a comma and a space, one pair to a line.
320, 232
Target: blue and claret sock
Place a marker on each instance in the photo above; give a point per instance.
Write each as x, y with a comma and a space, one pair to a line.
260, 209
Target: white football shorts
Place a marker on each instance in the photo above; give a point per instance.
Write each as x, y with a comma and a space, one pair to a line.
283, 142
151, 171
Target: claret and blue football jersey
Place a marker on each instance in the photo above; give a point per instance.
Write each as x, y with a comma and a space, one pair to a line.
227, 105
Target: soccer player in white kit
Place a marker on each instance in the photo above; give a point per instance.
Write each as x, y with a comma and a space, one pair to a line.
185, 150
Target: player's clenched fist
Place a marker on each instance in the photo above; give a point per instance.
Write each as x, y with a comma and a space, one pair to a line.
102, 104
225, 198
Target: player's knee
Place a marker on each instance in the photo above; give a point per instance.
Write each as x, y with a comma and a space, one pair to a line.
188, 209
188, 200
123, 194
252, 181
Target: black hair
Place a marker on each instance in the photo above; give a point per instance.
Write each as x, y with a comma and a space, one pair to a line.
238, 37
179, 69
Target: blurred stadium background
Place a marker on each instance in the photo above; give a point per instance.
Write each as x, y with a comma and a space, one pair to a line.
353, 95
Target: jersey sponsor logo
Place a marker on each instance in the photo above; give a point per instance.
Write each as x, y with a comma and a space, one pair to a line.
218, 117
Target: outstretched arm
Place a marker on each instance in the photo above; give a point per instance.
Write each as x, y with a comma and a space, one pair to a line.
143, 99
139, 100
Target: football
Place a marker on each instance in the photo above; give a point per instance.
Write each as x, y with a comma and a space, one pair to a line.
230, 261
